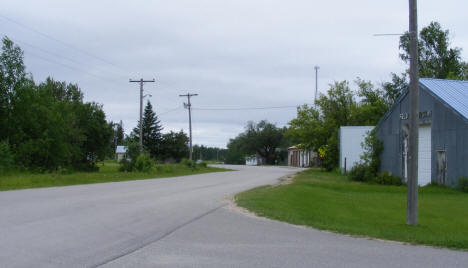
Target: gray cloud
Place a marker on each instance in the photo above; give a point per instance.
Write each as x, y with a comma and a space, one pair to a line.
233, 53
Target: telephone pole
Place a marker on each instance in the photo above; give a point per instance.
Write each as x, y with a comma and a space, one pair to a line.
316, 83
412, 198
188, 105
141, 81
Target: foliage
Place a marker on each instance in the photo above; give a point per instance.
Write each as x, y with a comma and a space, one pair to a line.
152, 137
143, 163
235, 153
125, 165
436, 58
174, 146
373, 148
394, 88
203, 164
12, 78
360, 172
6, 157
48, 126
462, 183
369, 166
387, 178
189, 163
262, 138
205, 153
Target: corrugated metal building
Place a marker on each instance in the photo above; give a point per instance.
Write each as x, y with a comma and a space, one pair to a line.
443, 133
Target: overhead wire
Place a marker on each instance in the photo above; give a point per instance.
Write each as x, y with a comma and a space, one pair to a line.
243, 108
60, 41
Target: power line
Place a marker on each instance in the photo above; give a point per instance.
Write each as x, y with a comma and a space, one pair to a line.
51, 53
66, 65
59, 41
245, 108
170, 111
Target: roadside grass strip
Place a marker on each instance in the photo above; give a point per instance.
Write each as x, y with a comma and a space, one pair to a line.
109, 172
329, 201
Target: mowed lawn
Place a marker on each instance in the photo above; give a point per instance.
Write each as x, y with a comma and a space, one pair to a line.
329, 201
107, 173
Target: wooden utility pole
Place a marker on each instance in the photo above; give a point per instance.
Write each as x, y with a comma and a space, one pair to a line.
188, 105
412, 198
141, 81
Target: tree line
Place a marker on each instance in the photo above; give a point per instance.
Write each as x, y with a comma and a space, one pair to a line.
47, 126
316, 126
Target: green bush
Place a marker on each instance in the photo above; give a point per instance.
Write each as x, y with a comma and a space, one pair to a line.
387, 178
189, 163
203, 165
462, 183
6, 157
360, 172
125, 165
144, 163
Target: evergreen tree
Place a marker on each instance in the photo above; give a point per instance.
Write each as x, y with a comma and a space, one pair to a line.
119, 133
152, 128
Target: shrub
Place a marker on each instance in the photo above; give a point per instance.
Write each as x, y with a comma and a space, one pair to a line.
203, 165
387, 178
6, 157
462, 184
125, 165
189, 163
144, 163
360, 172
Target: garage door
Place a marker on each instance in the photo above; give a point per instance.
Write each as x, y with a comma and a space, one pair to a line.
424, 160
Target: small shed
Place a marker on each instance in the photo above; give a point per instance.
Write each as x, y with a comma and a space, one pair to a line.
298, 157
351, 139
120, 152
443, 133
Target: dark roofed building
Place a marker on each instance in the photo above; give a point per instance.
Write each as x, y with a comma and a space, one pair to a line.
443, 133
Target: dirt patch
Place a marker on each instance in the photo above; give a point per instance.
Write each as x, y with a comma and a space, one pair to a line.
285, 180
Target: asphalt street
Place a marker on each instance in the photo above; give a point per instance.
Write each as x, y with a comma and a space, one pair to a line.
180, 222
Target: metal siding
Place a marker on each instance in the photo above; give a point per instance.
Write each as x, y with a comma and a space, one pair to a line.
449, 128
453, 93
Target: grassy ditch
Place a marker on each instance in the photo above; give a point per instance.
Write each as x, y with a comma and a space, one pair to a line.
109, 172
330, 201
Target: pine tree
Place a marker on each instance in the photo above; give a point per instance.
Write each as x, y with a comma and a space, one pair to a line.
152, 128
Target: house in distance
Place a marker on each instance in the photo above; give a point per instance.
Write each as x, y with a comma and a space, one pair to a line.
443, 133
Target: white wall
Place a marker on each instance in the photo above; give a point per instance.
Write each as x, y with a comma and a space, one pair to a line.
350, 144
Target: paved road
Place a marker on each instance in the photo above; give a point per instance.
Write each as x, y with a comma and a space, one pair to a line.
180, 222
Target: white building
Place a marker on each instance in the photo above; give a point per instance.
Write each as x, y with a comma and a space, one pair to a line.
253, 160
351, 139
120, 152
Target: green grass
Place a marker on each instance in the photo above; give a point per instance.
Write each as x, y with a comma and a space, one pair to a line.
329, 201
107, 173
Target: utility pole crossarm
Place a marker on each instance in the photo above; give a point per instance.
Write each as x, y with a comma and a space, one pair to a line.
141, 81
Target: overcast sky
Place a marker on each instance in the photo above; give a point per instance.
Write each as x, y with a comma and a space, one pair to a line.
242, 53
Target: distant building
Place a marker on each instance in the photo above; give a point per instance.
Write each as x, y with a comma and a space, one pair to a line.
254, 160
443, 133
351, 139
300, 157
120, 153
